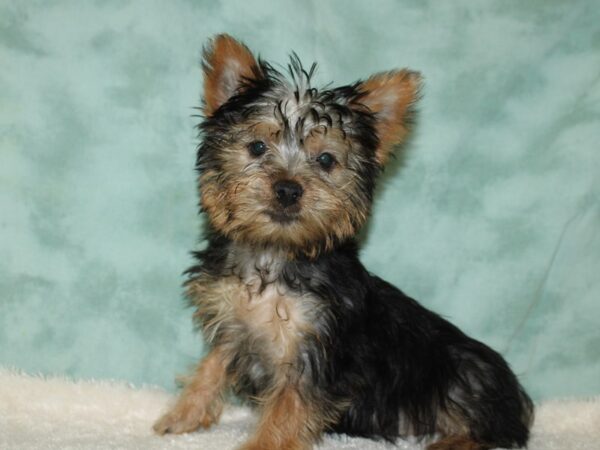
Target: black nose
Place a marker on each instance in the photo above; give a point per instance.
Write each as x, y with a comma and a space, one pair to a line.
287, 192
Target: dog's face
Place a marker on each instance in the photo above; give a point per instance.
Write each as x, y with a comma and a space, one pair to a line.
283, 164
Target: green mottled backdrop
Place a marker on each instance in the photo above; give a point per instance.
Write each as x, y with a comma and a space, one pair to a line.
493, 218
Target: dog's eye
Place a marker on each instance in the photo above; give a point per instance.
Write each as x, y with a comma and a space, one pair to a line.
326, 160
257, 148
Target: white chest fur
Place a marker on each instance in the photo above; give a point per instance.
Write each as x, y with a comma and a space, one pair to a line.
253, 303
276, 318
273, 314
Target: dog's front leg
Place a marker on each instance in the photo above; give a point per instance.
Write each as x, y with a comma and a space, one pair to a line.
288, 422
201, 403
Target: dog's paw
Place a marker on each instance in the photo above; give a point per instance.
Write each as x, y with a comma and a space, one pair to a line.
457, 443
186, 417
253, 446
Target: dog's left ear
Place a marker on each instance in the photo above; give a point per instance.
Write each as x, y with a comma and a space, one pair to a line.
390, 96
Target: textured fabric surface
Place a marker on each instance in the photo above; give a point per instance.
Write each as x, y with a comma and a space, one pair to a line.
492, 217
38, 413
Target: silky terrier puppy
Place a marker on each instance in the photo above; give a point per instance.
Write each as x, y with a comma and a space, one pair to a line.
295, 324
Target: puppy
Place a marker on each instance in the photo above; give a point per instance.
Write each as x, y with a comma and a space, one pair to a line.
295, 324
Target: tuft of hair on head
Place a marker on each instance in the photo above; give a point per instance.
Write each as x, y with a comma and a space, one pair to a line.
228, 67
390, 96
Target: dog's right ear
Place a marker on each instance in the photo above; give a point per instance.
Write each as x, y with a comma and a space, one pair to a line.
227, 65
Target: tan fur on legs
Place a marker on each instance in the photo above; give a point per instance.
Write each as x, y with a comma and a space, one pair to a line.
200, 404
457, 443
287, 423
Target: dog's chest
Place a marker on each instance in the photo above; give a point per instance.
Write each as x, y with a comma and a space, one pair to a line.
253, 306
274, 317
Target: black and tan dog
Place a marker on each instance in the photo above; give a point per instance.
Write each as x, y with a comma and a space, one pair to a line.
295, 324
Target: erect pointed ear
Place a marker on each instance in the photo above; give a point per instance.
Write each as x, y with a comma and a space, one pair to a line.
227, 64
390, 96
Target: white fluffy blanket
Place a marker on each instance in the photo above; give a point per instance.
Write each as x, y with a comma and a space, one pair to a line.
54, 413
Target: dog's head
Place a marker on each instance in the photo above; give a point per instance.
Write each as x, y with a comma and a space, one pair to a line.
284, 164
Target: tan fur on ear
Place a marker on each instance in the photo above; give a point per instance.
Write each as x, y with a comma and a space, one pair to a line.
390, 95
226, 62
